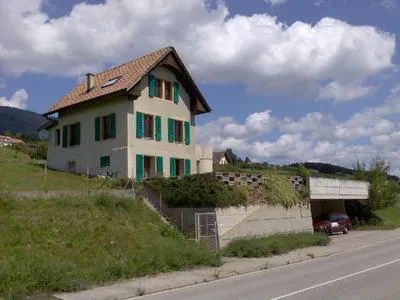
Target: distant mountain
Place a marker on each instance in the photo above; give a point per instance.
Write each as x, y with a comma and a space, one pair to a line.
325, 168
20, 121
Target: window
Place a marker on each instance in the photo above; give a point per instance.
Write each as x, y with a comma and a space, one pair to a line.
110, 82
149, 167
75, 134
71, 166
105, 127
168, 90
178, 131
148, 126
104, 161
57, 137
159, 88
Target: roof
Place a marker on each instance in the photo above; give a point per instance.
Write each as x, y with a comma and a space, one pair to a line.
217, 156
130, 74
11, 139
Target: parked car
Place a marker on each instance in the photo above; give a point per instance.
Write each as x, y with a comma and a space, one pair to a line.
332, 223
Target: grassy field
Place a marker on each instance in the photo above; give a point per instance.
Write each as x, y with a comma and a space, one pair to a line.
18, 172
68, 244
390, 219
274, 245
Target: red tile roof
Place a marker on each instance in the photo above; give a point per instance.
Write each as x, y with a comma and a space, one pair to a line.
130, 74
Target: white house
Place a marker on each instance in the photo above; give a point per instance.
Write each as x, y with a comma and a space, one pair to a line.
137, 119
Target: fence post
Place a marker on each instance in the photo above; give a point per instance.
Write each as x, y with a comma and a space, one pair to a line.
87, 177
182, 221
45, 175
160, 203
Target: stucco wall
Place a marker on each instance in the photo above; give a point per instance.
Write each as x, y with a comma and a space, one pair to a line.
328, 188
88, 153
261, 220
166, 109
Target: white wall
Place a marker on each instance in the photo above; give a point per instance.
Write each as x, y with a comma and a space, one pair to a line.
89, 151
329, 188
264, 219
166, 109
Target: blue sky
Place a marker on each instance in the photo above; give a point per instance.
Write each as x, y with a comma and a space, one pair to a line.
287, 80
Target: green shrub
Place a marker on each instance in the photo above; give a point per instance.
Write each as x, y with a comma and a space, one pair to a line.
274, 245
197, 191
280, 190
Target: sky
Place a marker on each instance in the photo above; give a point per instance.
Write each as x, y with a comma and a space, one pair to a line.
288, 80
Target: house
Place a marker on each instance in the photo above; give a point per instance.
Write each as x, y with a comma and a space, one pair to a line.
9, 141
137, 120
221, 158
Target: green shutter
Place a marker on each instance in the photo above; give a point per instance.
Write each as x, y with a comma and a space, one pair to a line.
158, 128
78, 133
139, 167
187, 133
139, 125
171, 133
65, 136
104, 161
176, 92
113, 126
187, 167
159, 165
152, 86
172, 167
97, 129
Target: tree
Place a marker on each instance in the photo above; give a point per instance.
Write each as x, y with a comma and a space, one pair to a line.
247, 160
303, 172
382, 191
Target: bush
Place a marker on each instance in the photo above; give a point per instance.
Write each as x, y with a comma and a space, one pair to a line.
197, 191
35, 150
274, 244
280, 191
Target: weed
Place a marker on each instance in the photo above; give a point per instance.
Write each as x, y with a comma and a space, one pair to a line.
140, 291
311, 255
273, 245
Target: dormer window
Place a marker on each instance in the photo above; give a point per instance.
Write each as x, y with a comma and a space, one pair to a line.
111, 82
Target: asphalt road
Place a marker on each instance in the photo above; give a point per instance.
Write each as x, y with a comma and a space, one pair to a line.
370, 273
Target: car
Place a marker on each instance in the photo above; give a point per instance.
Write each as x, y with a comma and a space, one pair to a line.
332, 223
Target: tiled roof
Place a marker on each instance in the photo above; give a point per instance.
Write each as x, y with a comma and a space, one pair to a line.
217, 156
129, 73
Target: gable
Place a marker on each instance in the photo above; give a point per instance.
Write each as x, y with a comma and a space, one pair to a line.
129, 75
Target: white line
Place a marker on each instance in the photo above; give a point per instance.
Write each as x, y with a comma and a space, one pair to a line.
336, 280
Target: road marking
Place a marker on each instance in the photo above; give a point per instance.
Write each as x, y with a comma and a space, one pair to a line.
336, 280
273, 268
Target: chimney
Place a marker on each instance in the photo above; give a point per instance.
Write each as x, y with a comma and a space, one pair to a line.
89, 82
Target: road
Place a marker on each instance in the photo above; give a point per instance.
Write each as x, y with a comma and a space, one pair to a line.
369, 273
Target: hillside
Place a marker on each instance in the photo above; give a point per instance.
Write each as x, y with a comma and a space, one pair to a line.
20, 121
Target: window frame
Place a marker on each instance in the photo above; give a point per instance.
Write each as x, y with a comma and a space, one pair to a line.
57, 136
105, 127
170, 90
178, 130
72, 139
159, 86
152, 126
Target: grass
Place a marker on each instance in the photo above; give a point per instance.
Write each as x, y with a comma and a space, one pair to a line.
68, 244
274, 244
18, 173
389, 219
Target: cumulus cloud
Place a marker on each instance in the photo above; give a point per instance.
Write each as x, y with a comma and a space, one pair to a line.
313, 137
17, 100
257, 51
389, 4
341, 93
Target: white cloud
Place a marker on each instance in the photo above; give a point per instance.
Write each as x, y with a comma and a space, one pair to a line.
389, 4
17, 100
275, 2
257, 51
341, 93
395, 90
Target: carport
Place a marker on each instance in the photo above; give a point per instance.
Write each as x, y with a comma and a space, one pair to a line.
329, 194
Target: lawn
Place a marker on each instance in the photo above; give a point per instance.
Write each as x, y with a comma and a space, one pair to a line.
68, 244
274, 244
18, 172
389, 216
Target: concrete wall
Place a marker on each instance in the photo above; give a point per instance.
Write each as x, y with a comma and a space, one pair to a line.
88, 153
328, 188
204, 157
166, 109
261, 220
